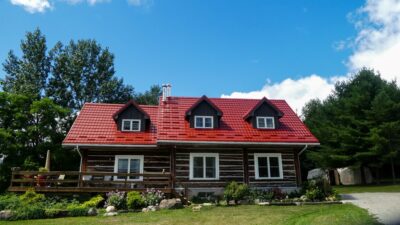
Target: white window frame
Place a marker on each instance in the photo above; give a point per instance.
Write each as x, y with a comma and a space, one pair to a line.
265, 122
131, 120
268, 155
129, 157
204, 155
204, 122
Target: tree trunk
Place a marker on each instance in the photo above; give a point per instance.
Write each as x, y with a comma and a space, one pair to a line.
363, 180
378, 176
393, 171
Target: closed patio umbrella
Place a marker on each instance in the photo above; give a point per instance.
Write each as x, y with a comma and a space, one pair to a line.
47, 166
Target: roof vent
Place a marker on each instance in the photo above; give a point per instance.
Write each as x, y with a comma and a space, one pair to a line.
166, 91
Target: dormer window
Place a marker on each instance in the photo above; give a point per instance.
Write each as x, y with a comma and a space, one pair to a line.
204, 114
204, 122
131, 125
131, 117
265, 122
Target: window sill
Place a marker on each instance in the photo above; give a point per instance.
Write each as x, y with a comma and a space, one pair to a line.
269, 178
200, 179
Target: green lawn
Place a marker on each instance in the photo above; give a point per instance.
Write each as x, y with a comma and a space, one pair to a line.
250, 214
367, 188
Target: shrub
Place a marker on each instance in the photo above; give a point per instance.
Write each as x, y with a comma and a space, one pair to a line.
235, 191
31, 196
262, 195
278, 194
52, 213
317, 190
116, 199
77, 210
203, 197
9, 201
152, 196
29, 211
134, 200
94, 202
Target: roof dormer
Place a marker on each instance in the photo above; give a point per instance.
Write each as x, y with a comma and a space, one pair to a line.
264, 115
131, 118
204, 114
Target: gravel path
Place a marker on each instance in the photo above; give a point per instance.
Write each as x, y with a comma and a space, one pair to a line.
384, 206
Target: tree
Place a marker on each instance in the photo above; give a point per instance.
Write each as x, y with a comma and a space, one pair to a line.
28, 128
150, 97
345, 122
84, 72
28, 75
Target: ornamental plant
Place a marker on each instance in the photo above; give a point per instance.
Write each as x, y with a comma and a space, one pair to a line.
134, 200
152, 196
116, 199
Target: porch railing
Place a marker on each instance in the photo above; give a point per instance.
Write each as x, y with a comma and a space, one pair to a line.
73, 181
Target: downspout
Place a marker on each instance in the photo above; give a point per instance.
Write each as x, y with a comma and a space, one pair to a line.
298, 160
80, 154
305, 148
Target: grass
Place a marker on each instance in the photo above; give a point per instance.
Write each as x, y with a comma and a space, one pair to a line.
247, 214
367, 188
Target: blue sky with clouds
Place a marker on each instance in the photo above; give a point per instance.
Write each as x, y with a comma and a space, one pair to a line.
239, 48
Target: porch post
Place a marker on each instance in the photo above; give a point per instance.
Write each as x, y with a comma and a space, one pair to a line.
172, 166
245, 166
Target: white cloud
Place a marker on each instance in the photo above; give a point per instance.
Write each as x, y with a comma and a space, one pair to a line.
33, 6
141, 3
376, 46
90, 2
295, 92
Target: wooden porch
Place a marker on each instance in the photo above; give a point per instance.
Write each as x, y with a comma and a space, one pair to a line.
89, 182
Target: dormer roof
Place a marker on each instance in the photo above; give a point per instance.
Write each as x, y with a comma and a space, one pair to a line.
264, 100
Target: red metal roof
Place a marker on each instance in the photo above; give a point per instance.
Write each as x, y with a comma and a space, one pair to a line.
95, 124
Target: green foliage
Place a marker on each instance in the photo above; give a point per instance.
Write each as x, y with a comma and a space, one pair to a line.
30, 196
29, 211
116, 199
152, 196
150, 97
134, 200
9, 201
358, 124
52, 212
93, 202
318, 190
205, 197
77, 210
235, 191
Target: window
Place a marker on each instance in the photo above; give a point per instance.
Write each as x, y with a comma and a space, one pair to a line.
268, 165
131, 125
128, 164
265, 122
203, 121
204, 166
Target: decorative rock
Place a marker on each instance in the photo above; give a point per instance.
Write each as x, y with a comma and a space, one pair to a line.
5, 214
196, 208
145, 210
173, 203
155, 208
207, 204
110, 209
263, 203
92, 212
110, 214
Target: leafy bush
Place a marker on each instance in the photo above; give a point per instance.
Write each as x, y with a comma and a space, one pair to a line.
9, 201
203, 197
77, 210
317, 190
94, 202
31, 196
29, 211
116, 199
261, 195
235, 191
52, 213
134, 200
278, 194
152, 196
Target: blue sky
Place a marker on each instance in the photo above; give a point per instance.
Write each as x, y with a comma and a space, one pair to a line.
201, 47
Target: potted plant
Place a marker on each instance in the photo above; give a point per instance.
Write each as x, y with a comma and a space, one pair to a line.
41, 178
